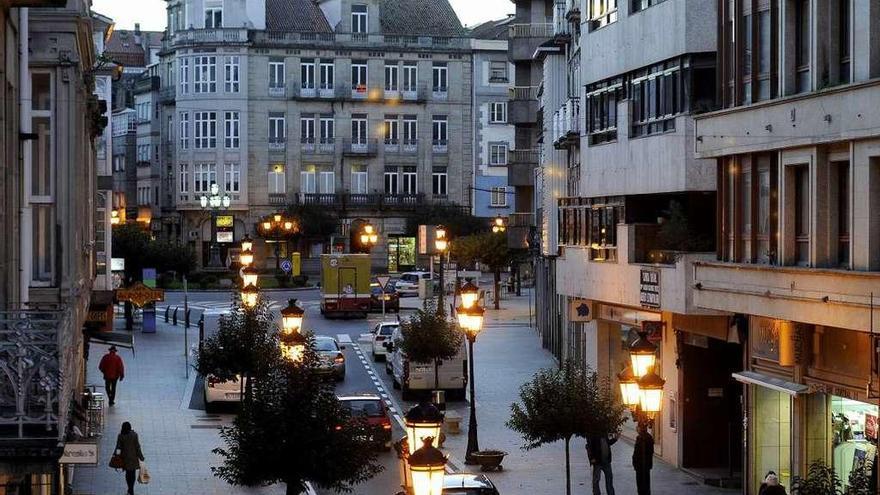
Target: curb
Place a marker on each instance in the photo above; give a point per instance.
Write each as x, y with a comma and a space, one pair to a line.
290, 289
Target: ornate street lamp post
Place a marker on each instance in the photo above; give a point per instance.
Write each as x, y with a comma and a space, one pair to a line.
277, 227
369, 237
428, 468
292, 317
470, 319
499, 225
215, 202
441, 245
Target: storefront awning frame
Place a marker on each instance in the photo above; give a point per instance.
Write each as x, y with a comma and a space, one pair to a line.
771, 382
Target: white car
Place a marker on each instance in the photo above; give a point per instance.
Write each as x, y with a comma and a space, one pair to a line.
382, 333
217, 391
408, 283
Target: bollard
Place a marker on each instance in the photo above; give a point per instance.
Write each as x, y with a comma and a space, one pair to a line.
175, 316
201, 331
167, 308
186, 318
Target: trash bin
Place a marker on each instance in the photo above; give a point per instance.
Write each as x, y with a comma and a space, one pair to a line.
438, 397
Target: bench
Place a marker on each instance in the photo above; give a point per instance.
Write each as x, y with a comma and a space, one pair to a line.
453, 422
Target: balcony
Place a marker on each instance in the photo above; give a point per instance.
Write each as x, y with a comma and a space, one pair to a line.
440, 146
360, 147
277, 199
392, 146
360, 92
358, 40
167, 95
819, 296
521, 167
573, 11
326, 146
307, 145
440, 93
35, 397
561, 25
206, 36
523, 105
520, 227
277, 143
410, 146
567, 124
525, 38
277, 91
371, 201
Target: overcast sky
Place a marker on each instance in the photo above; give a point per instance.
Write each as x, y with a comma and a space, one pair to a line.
151, 13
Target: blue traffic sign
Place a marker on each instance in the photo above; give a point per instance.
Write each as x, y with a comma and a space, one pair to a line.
286, 266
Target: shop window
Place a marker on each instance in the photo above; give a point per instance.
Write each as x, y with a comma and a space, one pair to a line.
401, 253
842, 433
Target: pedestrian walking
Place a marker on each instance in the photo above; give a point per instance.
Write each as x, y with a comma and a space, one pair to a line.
599, 453
643, 460
114, 370
772, 486
129, 448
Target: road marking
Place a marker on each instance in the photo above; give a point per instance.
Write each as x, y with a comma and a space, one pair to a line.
344, 338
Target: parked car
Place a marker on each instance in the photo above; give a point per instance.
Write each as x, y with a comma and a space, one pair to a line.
412, 377
392, 298
408, 284
382, 333
373, 410
332, 360
468, 484
217, 391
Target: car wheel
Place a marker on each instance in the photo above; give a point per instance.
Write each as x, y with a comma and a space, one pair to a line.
388, 369
395, 383
210, 407
375, 357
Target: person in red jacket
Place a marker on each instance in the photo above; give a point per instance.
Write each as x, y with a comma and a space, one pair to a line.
114, 370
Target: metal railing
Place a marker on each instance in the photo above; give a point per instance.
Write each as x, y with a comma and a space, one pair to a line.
374, 41
524, 93
360, 146
277, 199
277, 143
566, 120
370, 200
219, 35
536, 30
524, 156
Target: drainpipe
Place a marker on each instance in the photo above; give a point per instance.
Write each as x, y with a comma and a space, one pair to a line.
26, 214
475, 111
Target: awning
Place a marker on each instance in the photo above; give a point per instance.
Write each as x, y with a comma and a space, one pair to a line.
771, 382
119, 339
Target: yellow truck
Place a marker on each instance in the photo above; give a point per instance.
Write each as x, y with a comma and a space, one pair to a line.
345, 285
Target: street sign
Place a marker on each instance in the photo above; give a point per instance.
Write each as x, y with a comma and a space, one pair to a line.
383, 281
80, 453
286, 266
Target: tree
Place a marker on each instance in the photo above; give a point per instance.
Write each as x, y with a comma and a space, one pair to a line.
134, 244
559, 404
429, 337
489, 249
459, 222
295, 431
243, 346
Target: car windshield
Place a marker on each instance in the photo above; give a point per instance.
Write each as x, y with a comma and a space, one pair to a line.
387, 330
369, 408
325, 345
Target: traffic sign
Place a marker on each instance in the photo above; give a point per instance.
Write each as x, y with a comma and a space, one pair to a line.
383, 281
286, 266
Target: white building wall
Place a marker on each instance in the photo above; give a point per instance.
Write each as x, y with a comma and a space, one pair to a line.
553, 161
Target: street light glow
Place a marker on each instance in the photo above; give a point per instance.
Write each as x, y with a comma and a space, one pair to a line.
246, 258
651, 394
422, 422
247, 243
249, 296
250, 276
642, 354
292, 317
428, 468
629, 388
469, 293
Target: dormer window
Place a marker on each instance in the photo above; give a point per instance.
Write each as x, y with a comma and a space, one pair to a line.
359, 19
213, 17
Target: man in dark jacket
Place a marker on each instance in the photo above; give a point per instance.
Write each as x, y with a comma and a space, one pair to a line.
114, 370
599, 453
643, 460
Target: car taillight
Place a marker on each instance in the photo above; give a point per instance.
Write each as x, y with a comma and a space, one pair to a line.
380, 338
338, 428
386, 424
339, 359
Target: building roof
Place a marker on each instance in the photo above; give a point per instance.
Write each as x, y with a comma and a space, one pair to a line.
492, 30
126, 47
296, 15
419, 17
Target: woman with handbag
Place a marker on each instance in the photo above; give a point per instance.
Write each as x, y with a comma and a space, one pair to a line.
127, 455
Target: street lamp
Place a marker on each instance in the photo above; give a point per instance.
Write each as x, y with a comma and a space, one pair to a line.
250, 276
246, 258
441, 244
247, 244
369, 237
642, 354
292, 317
428, 468
114, 217
293, 346
422, 422
249, 296
629, 388
215, 202
499, 225
470, 319
278, 227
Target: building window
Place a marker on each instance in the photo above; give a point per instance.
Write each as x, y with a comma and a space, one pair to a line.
328, 130
602, 101
439, 132
276, 77
638, 5
392, 130
498, 72
183, 177
307, 130
206, 74
440, 79
656, 94
277, 183
410, 180
277, 131
231, 75
439, 181
841, 178
184, 130
802, 44
391, 80
749, 186
184, 75
359, 19
602, 13
764, 48
231, 127
410, 77
206, 130
307, 181
205, 174
327, 182
844, 36
307, 74
802, 215
498, 112
327, 72
359, 77
499, 197
43, 178
498, 154
410, 130
391, 180
213, 17
43, 267
359, 179
143, 153
359, 130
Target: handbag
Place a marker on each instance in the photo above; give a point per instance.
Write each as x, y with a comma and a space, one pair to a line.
116, 461
143, 473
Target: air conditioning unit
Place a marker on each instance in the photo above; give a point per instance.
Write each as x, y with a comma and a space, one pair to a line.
193, 235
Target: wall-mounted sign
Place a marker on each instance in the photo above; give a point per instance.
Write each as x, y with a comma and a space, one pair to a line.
580, 310
225, 220
225, 237
649, 288
117, 264
139, 295
79, 453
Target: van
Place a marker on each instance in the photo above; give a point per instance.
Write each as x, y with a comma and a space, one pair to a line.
410, 377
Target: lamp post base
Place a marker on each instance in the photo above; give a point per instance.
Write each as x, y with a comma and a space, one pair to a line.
214, 261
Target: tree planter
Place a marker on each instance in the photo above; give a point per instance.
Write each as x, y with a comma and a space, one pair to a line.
489, 460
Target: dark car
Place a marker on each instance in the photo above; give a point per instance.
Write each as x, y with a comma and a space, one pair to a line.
372, 409
468, 484
331, 360
392, 298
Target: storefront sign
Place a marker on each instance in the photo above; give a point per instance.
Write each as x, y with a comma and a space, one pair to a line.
140, 295
117, 264
79, 453
225, 237
649, 288
654, 330
580, 310
225, 220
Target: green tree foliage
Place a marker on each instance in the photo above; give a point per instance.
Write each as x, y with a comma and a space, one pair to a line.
429, 337
140, 251
487, 248
459, 222
295, 431
314, 221
559, 404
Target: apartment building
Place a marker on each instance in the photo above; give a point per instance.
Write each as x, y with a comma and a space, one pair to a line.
494, 135
49, 222
348, 106
797, 153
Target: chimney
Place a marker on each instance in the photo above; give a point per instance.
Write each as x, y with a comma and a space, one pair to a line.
137, 33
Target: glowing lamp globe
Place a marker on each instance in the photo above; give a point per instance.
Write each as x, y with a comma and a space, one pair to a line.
267, 225
249, 296
227, 201
428, 468
441, 244
651, 394
374, 238
292, 317
422, 422
203, 200
470, 319
288, 225
365, 239
215, 189
293, 347
643, 355
469, 293
247, 243
250, 276
368, 229
277, 217
246, 258
629, 388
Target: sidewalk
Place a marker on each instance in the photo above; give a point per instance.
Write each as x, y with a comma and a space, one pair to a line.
176, 441
508, 353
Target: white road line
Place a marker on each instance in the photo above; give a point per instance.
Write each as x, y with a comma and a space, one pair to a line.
344, 338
